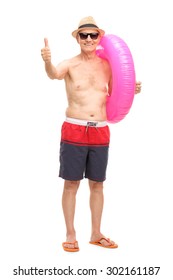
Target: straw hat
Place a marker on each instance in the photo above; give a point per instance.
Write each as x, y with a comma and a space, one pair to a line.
87, 22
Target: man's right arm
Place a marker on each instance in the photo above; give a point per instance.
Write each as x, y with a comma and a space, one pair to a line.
53, 72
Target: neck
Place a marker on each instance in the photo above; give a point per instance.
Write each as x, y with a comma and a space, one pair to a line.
88, 55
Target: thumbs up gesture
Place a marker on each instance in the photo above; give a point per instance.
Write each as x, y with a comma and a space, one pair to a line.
45, 52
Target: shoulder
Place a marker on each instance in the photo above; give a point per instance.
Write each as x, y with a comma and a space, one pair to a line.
68, 62
64, 67
105, 63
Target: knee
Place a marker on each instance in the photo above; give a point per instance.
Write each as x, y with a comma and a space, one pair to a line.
96, 186
71, 186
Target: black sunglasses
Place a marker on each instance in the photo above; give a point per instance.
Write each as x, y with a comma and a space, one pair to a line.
84, 36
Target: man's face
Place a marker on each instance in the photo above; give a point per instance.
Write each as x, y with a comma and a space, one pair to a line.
88, 39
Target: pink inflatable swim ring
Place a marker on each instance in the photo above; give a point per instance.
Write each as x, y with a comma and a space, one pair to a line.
116, 51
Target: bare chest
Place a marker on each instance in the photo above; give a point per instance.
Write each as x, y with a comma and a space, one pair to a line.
90, 76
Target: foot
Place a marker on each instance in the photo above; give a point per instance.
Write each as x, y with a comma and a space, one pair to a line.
71, 245
101, 240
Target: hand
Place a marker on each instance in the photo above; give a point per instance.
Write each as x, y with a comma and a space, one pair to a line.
138, 87
45, 52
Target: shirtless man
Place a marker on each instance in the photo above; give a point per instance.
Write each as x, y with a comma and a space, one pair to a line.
85, 133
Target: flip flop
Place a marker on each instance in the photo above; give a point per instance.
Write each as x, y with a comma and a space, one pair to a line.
67, 249
98, 243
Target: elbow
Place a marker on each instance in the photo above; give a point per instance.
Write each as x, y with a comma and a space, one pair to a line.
50, 76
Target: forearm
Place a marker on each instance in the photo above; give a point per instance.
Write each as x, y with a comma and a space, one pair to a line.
51, 70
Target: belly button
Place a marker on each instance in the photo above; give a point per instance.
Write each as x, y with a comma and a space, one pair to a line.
91, 115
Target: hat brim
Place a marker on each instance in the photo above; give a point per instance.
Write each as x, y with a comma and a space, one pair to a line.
75, 32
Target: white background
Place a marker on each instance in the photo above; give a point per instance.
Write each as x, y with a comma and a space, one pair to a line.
138, 201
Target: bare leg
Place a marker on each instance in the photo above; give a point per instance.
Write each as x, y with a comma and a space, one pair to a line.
68, 204
96, 206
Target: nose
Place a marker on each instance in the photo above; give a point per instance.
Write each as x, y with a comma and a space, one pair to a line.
89, 38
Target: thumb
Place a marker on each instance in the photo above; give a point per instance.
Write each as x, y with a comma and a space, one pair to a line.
46, 42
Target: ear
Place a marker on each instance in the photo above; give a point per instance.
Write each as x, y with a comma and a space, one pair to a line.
99, 39
77, 38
